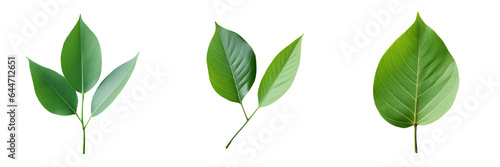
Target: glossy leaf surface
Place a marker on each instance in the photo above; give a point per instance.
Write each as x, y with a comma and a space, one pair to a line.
231, 65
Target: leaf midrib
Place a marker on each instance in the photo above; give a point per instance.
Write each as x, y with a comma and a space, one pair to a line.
92, 114
415, 123
231, 67
51, 86
272, 85
81, 57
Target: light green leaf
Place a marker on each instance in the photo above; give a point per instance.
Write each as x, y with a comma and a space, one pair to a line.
416, 80
81, 58
53, 91
111, 86
231, 64
280, 74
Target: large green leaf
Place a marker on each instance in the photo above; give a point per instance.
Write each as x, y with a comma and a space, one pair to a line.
81, 58
231, 64
417, 79
280, 74
111, 86
53, 91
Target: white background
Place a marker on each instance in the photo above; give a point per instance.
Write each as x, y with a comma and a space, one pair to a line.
179, 120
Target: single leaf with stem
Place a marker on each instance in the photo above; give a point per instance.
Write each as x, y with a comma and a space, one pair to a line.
278, 78
416, 80
231, 65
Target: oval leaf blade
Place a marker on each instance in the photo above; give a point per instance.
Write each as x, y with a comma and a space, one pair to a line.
81, 58
231, 64
111, 86
417, 79
280, 74
53, 91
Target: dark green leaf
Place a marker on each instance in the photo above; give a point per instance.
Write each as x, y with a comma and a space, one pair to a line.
81, 58
53, 91
231, 65
111, 86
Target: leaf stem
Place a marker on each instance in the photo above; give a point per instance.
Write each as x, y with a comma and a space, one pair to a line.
77, 116
244, 112
415, 134
81, 121
227, 146
84, 140
83, 97
88, 120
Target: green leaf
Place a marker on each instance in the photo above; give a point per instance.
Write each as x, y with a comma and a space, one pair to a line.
280, 74
81, 58
111, 86
231, 64
53, 91
416, 80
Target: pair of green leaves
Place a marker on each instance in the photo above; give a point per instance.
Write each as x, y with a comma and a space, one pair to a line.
81, 65
416, 80
232, 69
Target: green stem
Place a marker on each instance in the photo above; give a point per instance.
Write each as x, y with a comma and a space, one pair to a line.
83, 140
83, 97
77, 116
88, 121
415, 133
81, 121
244, 112
241, 128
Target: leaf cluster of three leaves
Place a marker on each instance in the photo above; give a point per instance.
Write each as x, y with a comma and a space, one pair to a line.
81, 65
232, 68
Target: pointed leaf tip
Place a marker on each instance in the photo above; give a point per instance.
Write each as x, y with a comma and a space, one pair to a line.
217, 25
418, 18
299, 38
